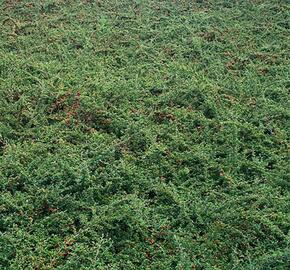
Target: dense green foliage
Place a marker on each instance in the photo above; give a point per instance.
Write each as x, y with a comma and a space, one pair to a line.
144, 134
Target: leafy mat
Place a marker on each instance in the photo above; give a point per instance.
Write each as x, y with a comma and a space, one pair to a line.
144, 134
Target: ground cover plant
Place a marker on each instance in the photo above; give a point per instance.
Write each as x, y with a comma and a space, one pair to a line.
144, 134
